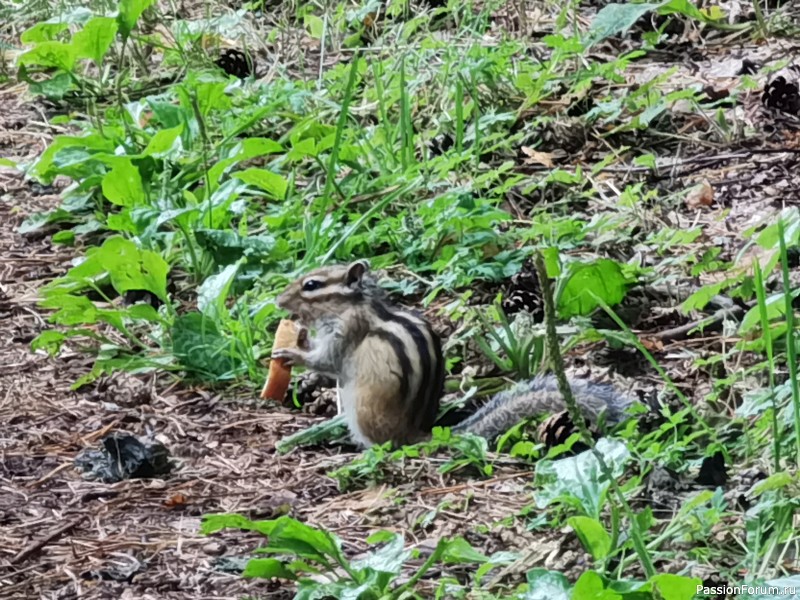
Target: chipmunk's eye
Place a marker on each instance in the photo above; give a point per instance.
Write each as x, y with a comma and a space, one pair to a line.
311, 285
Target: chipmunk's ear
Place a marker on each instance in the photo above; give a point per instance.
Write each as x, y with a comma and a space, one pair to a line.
356, 271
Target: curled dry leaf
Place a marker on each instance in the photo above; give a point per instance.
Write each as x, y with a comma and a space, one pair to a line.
700, 195
534, 157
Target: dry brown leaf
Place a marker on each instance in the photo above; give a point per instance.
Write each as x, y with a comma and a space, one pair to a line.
700, 195
535, 157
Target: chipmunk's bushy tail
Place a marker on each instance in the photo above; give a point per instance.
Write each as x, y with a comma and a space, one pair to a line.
539, 396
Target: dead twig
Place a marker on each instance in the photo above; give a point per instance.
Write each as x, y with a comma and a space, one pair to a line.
37, 545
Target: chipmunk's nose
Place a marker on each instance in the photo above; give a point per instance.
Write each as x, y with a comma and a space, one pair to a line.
281, 300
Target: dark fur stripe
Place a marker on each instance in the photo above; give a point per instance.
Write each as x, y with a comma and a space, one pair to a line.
402, 357
438, 383
426, 398
354, 295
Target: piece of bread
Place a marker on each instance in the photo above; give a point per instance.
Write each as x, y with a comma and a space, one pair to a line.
280, 374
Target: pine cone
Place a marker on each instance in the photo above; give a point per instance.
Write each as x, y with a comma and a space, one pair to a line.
236, 63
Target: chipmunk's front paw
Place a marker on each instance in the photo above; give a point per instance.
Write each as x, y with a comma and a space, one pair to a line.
290, 356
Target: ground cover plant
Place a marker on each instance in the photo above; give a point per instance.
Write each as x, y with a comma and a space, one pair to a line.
167, 168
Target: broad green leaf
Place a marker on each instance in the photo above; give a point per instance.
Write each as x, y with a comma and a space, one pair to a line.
249, 148
143, 312
699, 299
122, 263
129, 13
53, 88
613, 19
7, 162
315, 26
46, 168
267, 568
71, 310
213, 523
583, 281
227, 246
675, 587
51, 54
577, 481
388, 559
270, 182
592, 535
459, 551
123, 186
94, 40
163, 142
132, 268
547, 585
50, 340
776, 481
42, 32
37, 221
790, 582
591, 586
201, 348
304, 540
213, 292
776, 307
205, 96
768, 237
66, 238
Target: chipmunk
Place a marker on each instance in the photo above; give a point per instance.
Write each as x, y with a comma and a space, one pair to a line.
389, 366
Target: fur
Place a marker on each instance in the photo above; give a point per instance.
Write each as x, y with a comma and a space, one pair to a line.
540, 396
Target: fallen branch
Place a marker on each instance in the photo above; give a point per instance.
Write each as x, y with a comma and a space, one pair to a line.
56, 533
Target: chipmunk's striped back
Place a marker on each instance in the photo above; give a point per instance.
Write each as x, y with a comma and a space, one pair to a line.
388, 361
389, 366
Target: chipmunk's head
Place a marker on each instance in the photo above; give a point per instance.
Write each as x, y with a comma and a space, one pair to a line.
327, 291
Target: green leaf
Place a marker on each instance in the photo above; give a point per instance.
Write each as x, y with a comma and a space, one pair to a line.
247, 149
267, 568
315, 26
51, 54
129, 13
592, 535
768, 238
591, 586
46, 167
388, 559
675, 587
50, 340
213, 292
227, 246
613, 19
37, 221
213, 523
577, 481
122, 185
459, 551
583, 281
776, 308
43, 32
163, 142
547, 585
201, 347
132, 268
270, 182
53, 88
776, 481
121, 262
303, 540
94, 40
66, 238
